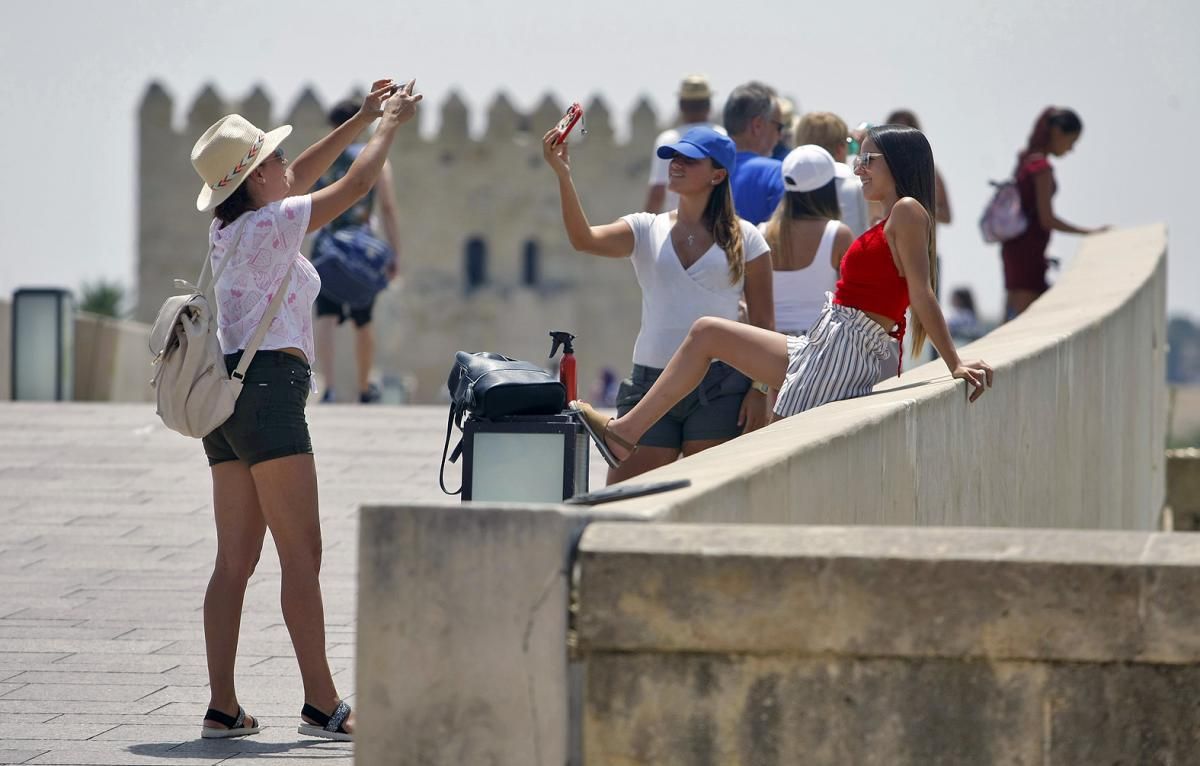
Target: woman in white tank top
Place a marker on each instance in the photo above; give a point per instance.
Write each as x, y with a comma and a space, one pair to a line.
807, 239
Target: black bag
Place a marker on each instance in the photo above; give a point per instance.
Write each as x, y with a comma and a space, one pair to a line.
488, 386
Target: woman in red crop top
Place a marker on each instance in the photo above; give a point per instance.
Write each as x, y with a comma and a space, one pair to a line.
889, 268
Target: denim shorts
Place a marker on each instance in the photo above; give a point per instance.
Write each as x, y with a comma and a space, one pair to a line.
268, 421
709, 412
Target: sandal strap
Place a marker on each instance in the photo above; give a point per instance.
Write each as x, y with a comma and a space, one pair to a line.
620, 441
332, 723
226, 720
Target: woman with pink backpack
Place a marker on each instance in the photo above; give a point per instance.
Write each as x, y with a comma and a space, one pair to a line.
1025, 263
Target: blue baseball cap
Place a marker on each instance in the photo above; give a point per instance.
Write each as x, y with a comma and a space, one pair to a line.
702, 142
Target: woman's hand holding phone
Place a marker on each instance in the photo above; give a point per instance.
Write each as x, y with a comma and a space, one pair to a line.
401, 103
555, 153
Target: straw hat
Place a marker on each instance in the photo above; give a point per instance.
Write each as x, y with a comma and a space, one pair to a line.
227, 153
694, 88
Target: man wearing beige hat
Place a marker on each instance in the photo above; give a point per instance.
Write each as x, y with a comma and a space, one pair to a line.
695, 103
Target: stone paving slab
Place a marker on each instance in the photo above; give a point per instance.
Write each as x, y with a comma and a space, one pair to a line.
106, 544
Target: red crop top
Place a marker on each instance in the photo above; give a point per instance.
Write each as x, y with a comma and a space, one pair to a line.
870, 282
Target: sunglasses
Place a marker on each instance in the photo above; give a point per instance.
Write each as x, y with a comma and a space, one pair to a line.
276, 155
863, 159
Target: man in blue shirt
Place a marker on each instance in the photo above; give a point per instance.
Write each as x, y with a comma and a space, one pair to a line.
752, 120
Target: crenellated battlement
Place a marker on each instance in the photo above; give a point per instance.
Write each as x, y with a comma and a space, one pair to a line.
485, 260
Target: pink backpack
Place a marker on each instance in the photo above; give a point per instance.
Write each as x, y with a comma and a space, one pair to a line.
1003, 219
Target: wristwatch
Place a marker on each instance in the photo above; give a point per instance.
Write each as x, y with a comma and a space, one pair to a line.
760, 387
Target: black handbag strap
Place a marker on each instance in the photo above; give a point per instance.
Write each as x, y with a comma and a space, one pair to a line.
451, 421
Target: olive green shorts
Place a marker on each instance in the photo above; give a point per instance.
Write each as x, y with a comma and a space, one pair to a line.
709, 412
268, 421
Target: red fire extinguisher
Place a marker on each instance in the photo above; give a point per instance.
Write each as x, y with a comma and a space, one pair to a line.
566, 368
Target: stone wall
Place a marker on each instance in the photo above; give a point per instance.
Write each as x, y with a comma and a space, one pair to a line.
450, 188
112, 359
745, 646
1071, 436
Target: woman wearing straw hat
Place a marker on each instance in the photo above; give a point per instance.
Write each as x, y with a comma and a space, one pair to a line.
261, 458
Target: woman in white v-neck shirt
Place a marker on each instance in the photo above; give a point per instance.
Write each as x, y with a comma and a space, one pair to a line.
698, 260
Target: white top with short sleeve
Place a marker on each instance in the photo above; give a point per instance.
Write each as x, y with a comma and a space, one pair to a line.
673, 297
270, 241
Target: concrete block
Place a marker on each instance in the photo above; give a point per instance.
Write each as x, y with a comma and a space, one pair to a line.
462, 634
738, 710
996, 594
744, 710
1183, 488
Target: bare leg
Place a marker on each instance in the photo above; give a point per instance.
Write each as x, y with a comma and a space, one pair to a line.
755, 352
1019, 300
323, 332
240, 531
364, 351
645, 459
287, 493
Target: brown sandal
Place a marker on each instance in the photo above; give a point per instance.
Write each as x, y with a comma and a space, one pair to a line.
598, 428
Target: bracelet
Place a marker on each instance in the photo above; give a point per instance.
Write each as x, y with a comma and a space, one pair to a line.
760, 387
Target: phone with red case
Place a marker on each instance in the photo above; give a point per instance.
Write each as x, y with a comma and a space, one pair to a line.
567, 123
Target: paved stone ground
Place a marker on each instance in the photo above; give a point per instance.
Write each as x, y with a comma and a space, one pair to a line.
106, 544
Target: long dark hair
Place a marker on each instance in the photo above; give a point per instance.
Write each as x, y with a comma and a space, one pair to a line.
234, 205
820, 203
1062, 118
910, 160
725, 227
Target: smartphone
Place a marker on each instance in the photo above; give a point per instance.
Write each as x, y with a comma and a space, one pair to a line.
567, 123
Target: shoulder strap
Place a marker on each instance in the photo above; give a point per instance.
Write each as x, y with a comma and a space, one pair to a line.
261, 332
446, 449
825, 247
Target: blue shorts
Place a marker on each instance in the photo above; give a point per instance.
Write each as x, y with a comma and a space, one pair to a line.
708, 413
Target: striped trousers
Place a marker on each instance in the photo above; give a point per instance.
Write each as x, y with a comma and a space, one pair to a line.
838, 359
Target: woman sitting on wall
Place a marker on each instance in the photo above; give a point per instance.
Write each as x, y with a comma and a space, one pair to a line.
692, 262
890, 267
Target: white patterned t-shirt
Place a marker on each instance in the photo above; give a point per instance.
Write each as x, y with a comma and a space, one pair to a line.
270, 241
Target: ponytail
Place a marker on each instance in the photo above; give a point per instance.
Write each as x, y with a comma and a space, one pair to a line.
726, 228
1064, 119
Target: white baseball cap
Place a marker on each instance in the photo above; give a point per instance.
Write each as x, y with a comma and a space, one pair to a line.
807, 168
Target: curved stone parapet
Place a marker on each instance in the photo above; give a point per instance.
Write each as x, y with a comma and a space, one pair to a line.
1071, 435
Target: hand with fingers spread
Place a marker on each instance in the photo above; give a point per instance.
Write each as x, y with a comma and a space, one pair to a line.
401, 105
555, 153
978, 375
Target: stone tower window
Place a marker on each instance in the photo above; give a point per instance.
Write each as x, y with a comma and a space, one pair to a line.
531, 264
475, 258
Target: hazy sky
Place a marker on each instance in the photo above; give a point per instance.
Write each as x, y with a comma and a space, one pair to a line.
73, 73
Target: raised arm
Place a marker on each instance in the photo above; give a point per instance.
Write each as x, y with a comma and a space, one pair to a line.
312, 163
612, 240
388, 214
908, 231
333, 200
